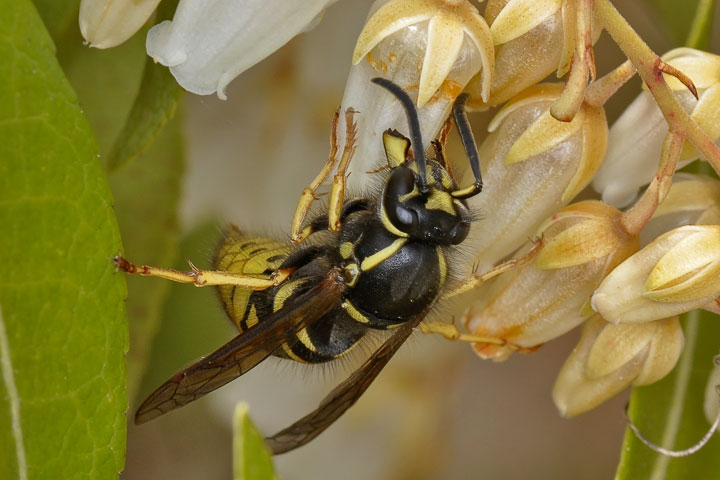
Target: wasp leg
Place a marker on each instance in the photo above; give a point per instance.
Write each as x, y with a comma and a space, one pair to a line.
451, 332
337, 192
298, 234
201, 278
475, 281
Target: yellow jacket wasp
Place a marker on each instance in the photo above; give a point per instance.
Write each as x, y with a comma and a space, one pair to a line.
383, 268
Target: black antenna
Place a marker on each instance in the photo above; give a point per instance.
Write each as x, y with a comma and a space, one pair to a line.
471, 150
413, 123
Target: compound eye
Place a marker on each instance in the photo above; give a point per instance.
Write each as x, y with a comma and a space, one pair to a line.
401, 182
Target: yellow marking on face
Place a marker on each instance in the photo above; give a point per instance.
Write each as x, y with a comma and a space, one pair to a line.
439, 200
346, 250
412, 194
442, 263
396, 148
354, 313
447, 181
378, 257
389, 226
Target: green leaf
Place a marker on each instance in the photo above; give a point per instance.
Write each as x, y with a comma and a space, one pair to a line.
154, 105
146, 198
106, 82
63, 335
670, 412
251, 457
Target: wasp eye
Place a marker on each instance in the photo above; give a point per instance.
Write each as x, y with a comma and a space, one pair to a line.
401, 182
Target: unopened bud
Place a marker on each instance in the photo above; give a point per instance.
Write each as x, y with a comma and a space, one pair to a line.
544, 299
676, 273
532, 166
610, 358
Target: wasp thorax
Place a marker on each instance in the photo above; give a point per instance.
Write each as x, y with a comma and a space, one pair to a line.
424, 211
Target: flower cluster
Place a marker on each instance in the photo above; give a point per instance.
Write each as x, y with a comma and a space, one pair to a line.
626, 275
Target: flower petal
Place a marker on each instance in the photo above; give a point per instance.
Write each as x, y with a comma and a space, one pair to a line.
521, 16
107, 23
445, 37
208, 43
689, 270
580, 243
543, 134
391, 17
617, 345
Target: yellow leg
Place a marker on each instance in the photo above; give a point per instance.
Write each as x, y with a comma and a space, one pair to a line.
201, 278
337, 192
451, 332
298, 234
475, 281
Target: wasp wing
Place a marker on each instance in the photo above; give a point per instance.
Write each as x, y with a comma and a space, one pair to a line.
342, 397
244, 351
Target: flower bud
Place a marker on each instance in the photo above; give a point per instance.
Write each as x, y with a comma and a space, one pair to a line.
676, 273
530, 44
107, 23
610, 358
532, 166
544, 299
636, 138
208, 44
692, 200
430, 48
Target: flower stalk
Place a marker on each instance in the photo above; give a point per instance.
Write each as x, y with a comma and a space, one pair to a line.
650, 69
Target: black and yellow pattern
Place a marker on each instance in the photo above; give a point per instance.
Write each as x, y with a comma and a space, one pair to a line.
248, 255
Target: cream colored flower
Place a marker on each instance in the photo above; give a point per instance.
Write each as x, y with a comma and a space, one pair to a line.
449, 23
610, 358
544, 299
636, 138
210, 42
402, 56
532, 39
692, 200
107, 23
676, 273
532, 165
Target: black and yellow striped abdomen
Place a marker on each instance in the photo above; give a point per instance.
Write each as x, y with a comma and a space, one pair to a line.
327, 338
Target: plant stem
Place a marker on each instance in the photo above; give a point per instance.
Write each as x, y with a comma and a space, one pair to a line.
650, 68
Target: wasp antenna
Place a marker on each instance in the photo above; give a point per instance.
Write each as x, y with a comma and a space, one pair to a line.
413, 122
471, 150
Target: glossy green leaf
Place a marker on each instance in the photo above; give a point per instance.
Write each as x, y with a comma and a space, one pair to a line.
63, 336
154, 105
146, 199
251, 457
670, 412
